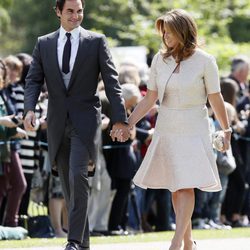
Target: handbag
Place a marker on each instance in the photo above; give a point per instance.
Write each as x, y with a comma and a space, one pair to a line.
39, 226
226, 162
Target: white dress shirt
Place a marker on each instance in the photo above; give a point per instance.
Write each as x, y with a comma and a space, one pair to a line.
75, 34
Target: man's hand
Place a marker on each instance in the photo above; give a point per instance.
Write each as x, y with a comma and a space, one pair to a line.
120, 131
30, 121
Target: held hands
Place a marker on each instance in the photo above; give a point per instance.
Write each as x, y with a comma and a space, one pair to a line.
120, 132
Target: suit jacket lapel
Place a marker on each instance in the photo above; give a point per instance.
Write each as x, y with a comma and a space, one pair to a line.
53, 57
81, 54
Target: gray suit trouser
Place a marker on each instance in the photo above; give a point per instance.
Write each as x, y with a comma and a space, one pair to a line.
72, 164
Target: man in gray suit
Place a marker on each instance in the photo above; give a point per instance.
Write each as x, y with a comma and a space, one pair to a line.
70, 61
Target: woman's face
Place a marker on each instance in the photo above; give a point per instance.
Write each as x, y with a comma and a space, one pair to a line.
13, 75
170, 38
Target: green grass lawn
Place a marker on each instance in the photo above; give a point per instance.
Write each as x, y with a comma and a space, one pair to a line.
149, 237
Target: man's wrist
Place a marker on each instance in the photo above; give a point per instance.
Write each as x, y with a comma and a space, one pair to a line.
29, 112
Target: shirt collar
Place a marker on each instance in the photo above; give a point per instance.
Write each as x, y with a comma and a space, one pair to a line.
75, 33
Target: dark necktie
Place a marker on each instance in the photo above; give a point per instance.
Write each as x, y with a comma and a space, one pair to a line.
66, 54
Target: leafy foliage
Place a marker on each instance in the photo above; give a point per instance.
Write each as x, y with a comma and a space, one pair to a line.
128, 22
239, 29
4, 16
5, 3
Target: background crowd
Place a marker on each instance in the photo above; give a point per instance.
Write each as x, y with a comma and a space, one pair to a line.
116, 206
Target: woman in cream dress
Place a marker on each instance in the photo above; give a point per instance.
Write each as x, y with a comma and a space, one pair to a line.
180, 157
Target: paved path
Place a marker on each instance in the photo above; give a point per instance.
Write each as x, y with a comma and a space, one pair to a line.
216, 244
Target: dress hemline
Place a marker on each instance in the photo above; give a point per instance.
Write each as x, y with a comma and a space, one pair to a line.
205, 189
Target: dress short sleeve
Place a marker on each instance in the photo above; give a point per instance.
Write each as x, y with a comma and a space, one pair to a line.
152, 77
211, 76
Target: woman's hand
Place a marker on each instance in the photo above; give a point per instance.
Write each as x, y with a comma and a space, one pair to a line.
217, 103
120, 132
21, 134
7, 121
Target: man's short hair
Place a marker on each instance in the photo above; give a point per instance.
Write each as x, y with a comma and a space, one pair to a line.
130, 90
60, 4
238, 63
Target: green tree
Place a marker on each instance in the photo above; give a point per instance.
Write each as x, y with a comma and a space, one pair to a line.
4, 16
29, 19
124, 22
4, 20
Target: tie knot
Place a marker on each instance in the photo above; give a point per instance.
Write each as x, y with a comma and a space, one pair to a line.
68, 35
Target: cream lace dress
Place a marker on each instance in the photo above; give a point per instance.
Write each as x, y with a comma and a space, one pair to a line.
180, 155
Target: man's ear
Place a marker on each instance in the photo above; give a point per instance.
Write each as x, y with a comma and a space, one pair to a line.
58, 12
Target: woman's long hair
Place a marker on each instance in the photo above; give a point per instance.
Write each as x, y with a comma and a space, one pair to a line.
183, 27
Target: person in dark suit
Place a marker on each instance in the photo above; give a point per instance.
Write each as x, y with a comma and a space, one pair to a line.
70, 61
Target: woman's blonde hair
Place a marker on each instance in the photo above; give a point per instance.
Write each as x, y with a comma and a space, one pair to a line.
13, 63
184, 28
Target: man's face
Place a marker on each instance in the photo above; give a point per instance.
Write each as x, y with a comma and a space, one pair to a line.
245, 73
71, 15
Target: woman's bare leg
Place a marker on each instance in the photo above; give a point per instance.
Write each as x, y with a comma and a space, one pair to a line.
183, 202
188, 239
55, 209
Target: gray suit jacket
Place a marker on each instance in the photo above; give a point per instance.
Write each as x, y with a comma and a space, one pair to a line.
80, 101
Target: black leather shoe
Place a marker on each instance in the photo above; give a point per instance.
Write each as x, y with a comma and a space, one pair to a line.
72, 246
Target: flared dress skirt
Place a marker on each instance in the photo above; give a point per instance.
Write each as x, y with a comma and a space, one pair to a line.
180, 155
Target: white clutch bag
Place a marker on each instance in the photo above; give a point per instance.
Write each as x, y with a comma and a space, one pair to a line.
218, 140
